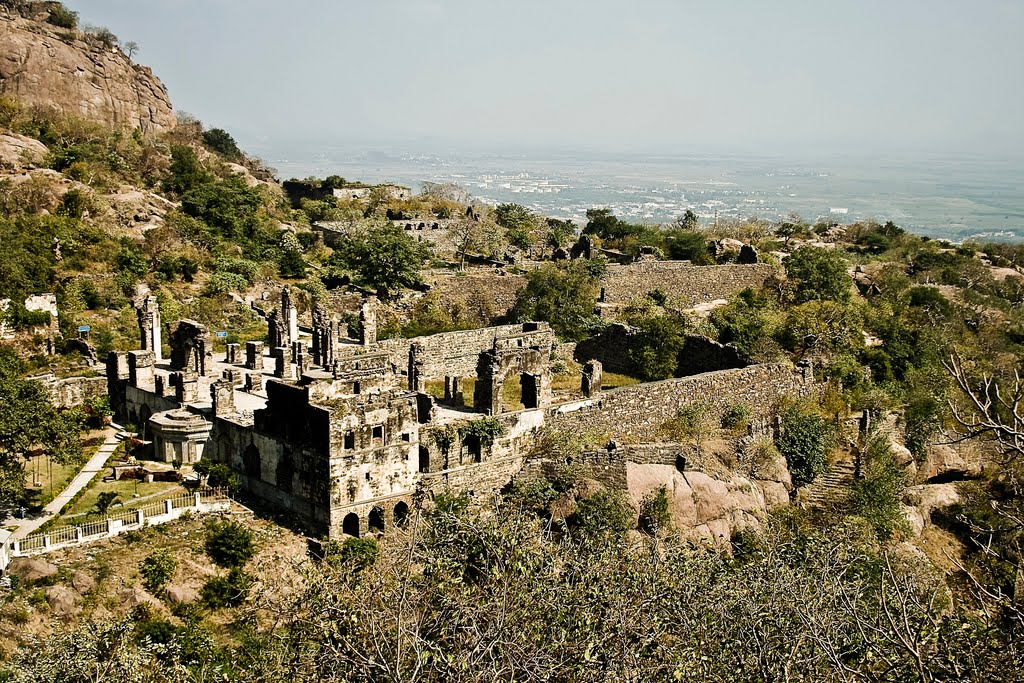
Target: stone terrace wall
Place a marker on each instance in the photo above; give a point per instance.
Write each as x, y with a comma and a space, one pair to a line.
684, 283
73, 391
451, 353
488, 291
635, 414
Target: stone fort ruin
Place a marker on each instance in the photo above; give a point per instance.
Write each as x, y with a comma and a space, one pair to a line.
349, 434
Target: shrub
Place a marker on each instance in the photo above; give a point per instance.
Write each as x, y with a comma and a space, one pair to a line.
229, 544
156, 570
877, 496
605, 512
354, 554
654, 514
221, 141
63, 17
805, 442
692, 421
736, 415
226, 591
218, 475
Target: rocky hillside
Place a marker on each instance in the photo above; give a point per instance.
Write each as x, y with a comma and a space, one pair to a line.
77, 73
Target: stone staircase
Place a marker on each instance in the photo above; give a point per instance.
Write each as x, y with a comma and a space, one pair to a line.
831, 489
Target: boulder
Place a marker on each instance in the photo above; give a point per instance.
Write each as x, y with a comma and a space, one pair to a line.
18, 151
947, 463
920, 501
31, 569
63, 601
133, 597
82, 582
181, 595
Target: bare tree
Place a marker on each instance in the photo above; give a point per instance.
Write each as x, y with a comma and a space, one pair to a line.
130, 48
987, 407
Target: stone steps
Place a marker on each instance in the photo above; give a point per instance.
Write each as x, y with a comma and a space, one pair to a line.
832, 487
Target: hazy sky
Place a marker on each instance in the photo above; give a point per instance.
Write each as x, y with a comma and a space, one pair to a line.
929, 75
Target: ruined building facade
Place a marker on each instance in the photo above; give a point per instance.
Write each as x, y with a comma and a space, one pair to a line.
348, 434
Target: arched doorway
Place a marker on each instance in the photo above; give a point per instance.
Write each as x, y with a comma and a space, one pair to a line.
251, 462
350, 525
376, 521
401, 513
144, 414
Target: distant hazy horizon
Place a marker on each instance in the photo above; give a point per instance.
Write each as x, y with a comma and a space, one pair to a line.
914, 78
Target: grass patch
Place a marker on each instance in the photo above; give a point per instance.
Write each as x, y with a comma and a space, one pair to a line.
613, 379
125, 489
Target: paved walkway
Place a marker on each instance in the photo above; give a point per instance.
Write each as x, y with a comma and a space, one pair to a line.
96, 463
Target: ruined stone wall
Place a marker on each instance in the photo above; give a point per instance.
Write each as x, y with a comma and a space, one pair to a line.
288, 477
685, 284
487, 292
450, 353
636, 414
73, 391
699, 354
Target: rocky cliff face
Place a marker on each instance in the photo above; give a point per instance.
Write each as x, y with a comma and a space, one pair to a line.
45, 66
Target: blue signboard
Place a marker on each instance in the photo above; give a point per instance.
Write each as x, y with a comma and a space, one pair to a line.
84, 328
222, 335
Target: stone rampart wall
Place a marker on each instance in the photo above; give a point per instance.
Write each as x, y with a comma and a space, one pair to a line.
73, 391
636, 414
487, 292
685, 284
450, 353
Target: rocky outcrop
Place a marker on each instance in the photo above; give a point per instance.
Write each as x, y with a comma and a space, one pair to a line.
181, 595
82, 582
62, 600
703, 507
41, 65
18, 151
31, 569
920, 501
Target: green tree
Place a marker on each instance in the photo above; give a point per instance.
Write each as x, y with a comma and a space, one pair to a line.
688, 245
878, 496
220, 141
818, 274
384, 258
157, 569
229, 544
654, 349
29, 421
520, 224
563, 294
104, 501
604, 224
805, 442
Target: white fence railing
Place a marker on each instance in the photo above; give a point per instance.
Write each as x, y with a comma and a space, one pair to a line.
200, 502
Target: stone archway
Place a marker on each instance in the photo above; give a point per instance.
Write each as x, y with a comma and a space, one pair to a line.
376, 520
252, 462
401, 513
350, 525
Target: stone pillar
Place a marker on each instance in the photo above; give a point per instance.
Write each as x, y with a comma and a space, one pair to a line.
297, 348
223, 394
141, 370
117, 365
301, 362
416, 382
231, 355
290, 317
368, 321
149, 325
253, 382
275, 330
593, 377
282, 364
186, 388
254, 355
233, 375
453, 389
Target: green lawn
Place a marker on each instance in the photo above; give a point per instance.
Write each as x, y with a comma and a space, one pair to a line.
125, 489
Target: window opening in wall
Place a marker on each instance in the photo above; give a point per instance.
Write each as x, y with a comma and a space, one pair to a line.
424, 459
350, 440
378, 433
350, 525
474, 448
376, 521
